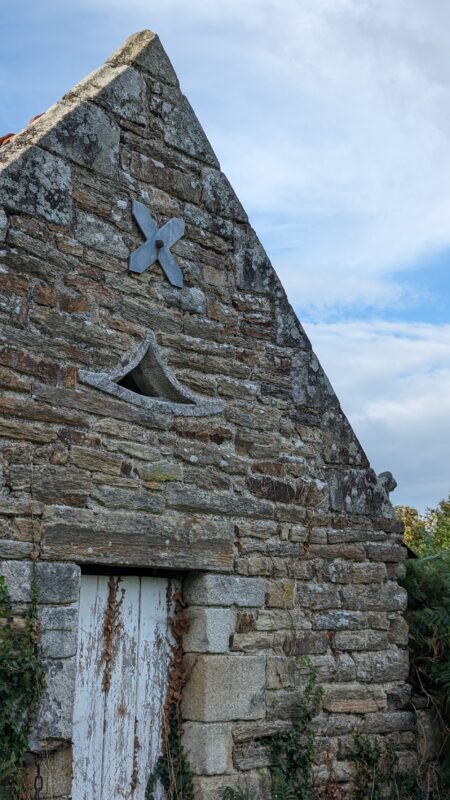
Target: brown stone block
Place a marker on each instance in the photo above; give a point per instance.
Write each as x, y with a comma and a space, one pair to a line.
353, 698
28, 363
134, 539
32, 410
305, 643
10, 429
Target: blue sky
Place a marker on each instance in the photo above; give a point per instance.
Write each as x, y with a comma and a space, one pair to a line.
332, 120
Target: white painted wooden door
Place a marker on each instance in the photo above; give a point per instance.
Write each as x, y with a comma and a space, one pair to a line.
122, 671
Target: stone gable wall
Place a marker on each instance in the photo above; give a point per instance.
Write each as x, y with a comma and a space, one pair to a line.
269, 507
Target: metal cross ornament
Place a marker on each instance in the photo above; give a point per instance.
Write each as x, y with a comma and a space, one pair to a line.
157, 245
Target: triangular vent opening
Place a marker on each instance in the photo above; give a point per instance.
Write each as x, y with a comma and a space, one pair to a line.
149, 379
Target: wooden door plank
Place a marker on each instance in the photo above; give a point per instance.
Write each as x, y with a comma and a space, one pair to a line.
89, 699
119, 733
152, 677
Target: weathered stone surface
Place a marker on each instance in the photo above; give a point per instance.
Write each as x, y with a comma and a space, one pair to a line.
118, 89
208, 747
389, 665
183, 131
211, 787
280, 594
390, 597
353, 699
83, 133
205, 700
18, 576
209, 630
3, 225
54, 719
145, 50
161, 471
59, 626
38, 183
286, 673
58, 583
56, 772
101, 236
219, 197
11, 549
361, 640
389, 722
225, 590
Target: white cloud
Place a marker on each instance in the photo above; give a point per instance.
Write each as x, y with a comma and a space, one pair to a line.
332, 115
393, 381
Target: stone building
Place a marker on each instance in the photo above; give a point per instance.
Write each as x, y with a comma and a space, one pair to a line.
166, 428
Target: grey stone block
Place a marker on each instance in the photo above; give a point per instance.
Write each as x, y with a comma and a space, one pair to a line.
225, 590
208, 747
59, 618
145, 49
39, 183
17, 576
84, 133
54, 718
119, 90
224, 687
58, 582
11, 549
99, 235
3, 225
58, 644
209, 630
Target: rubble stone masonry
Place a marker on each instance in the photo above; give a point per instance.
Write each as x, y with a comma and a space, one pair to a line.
265, 505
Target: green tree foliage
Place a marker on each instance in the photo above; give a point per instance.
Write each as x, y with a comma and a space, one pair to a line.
428, 584
426, 534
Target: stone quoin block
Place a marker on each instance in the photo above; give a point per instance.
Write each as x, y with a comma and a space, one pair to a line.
54, 719
208, 747
209, 630
58, 583
205, 699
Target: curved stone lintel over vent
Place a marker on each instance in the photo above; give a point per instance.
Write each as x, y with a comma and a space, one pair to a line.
157, 387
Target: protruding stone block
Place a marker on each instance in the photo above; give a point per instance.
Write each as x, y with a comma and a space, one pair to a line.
204, 697
209, 630
208, 747
225, 590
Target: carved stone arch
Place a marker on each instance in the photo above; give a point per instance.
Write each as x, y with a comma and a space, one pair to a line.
146, 380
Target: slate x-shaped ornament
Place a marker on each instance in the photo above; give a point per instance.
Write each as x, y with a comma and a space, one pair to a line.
157, 245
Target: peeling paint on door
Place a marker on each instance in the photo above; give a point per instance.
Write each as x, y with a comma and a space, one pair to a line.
123, 660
